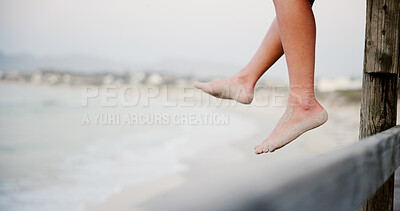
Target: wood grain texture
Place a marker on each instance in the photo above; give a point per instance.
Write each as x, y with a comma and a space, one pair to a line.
378, 113
379, 95
382, 36
378, 103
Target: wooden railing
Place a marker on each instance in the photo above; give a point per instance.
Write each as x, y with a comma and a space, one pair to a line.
342, 180
339, 180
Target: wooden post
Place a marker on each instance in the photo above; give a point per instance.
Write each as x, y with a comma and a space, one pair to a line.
379, 91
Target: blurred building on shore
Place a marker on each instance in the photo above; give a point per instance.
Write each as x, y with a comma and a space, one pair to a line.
337, 84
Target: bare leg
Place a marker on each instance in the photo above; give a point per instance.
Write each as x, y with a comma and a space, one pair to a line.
297, 32
240, 87
267, 54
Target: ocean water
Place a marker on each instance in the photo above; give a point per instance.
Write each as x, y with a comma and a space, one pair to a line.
52, 159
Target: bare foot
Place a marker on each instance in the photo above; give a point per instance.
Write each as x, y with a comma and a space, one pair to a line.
295, 121
235, 88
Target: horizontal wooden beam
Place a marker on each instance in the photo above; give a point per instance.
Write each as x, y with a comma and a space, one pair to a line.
339, 180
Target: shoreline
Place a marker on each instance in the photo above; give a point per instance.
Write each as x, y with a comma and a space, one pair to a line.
132, 196
223, 157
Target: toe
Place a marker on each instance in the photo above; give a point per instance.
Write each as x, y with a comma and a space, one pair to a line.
256, 146
198, 85
272, 148
260, 148
206, 87
266, 148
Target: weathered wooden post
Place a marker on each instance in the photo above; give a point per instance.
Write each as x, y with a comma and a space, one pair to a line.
379, 89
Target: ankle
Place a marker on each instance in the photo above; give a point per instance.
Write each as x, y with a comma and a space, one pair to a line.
245, 79
309, 105
305, 103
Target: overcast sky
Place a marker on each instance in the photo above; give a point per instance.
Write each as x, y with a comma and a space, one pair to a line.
145, 33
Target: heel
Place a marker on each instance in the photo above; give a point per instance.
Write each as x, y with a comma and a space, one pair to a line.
323, 116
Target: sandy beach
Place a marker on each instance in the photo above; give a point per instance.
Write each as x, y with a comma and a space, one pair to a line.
227, 155
166, 159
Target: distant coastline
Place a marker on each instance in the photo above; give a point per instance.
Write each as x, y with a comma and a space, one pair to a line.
338, 90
